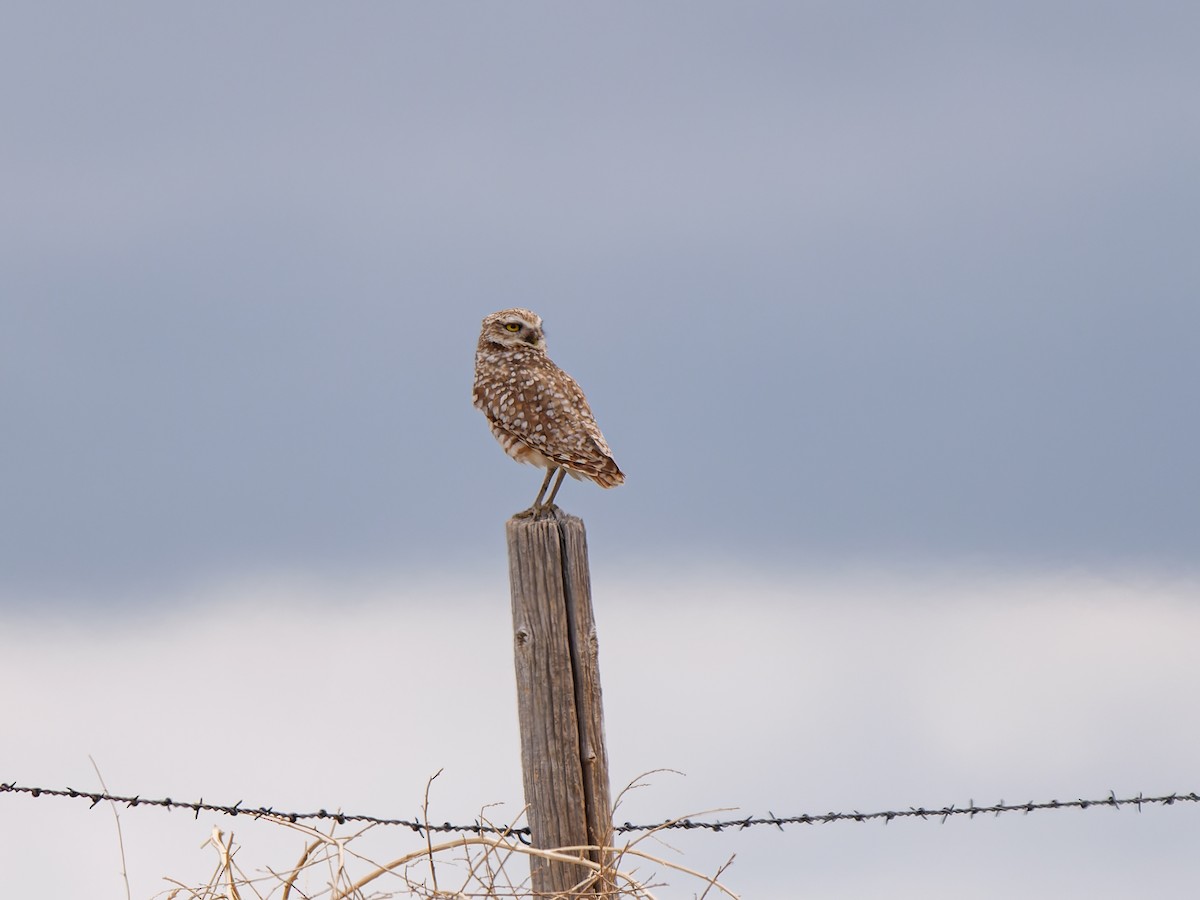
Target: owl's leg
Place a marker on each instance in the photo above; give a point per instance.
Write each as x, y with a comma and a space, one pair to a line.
554, 492
537, 504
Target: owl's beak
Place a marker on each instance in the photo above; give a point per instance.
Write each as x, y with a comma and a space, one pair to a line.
533, 337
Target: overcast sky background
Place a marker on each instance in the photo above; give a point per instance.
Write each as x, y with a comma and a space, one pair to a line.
889, 313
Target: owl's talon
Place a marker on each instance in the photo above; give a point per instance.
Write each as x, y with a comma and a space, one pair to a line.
541, 511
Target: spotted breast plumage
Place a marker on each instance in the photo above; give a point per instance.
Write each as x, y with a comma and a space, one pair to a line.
537, 411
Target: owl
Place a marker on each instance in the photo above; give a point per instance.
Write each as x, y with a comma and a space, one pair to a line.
537, 411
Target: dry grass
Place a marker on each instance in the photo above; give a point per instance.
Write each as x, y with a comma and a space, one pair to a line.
330, 867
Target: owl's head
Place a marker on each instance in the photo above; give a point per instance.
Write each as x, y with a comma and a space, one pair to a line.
515, 329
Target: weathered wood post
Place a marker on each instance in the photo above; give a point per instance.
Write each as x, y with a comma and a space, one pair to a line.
563, 757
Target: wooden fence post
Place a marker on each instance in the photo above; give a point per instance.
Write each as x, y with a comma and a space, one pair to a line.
563, 758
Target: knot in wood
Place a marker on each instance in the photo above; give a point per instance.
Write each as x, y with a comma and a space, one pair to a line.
522, 635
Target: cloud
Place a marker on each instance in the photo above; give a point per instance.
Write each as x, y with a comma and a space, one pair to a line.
790, 692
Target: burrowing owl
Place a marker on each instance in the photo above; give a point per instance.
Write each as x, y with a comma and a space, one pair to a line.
537, 411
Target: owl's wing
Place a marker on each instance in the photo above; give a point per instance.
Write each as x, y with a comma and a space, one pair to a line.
545, 408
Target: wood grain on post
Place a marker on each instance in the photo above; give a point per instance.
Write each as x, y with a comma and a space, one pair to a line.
563, 756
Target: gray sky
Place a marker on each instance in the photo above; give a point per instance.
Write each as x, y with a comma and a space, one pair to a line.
843, 282
902, 292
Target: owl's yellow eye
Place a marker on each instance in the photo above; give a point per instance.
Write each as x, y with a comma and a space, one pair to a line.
512, 326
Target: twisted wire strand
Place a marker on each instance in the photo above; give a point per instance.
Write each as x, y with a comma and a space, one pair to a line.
479, 827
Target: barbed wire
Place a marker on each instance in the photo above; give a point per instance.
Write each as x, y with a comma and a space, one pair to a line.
480, 827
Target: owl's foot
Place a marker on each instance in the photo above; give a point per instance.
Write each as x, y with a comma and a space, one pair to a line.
540, 511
